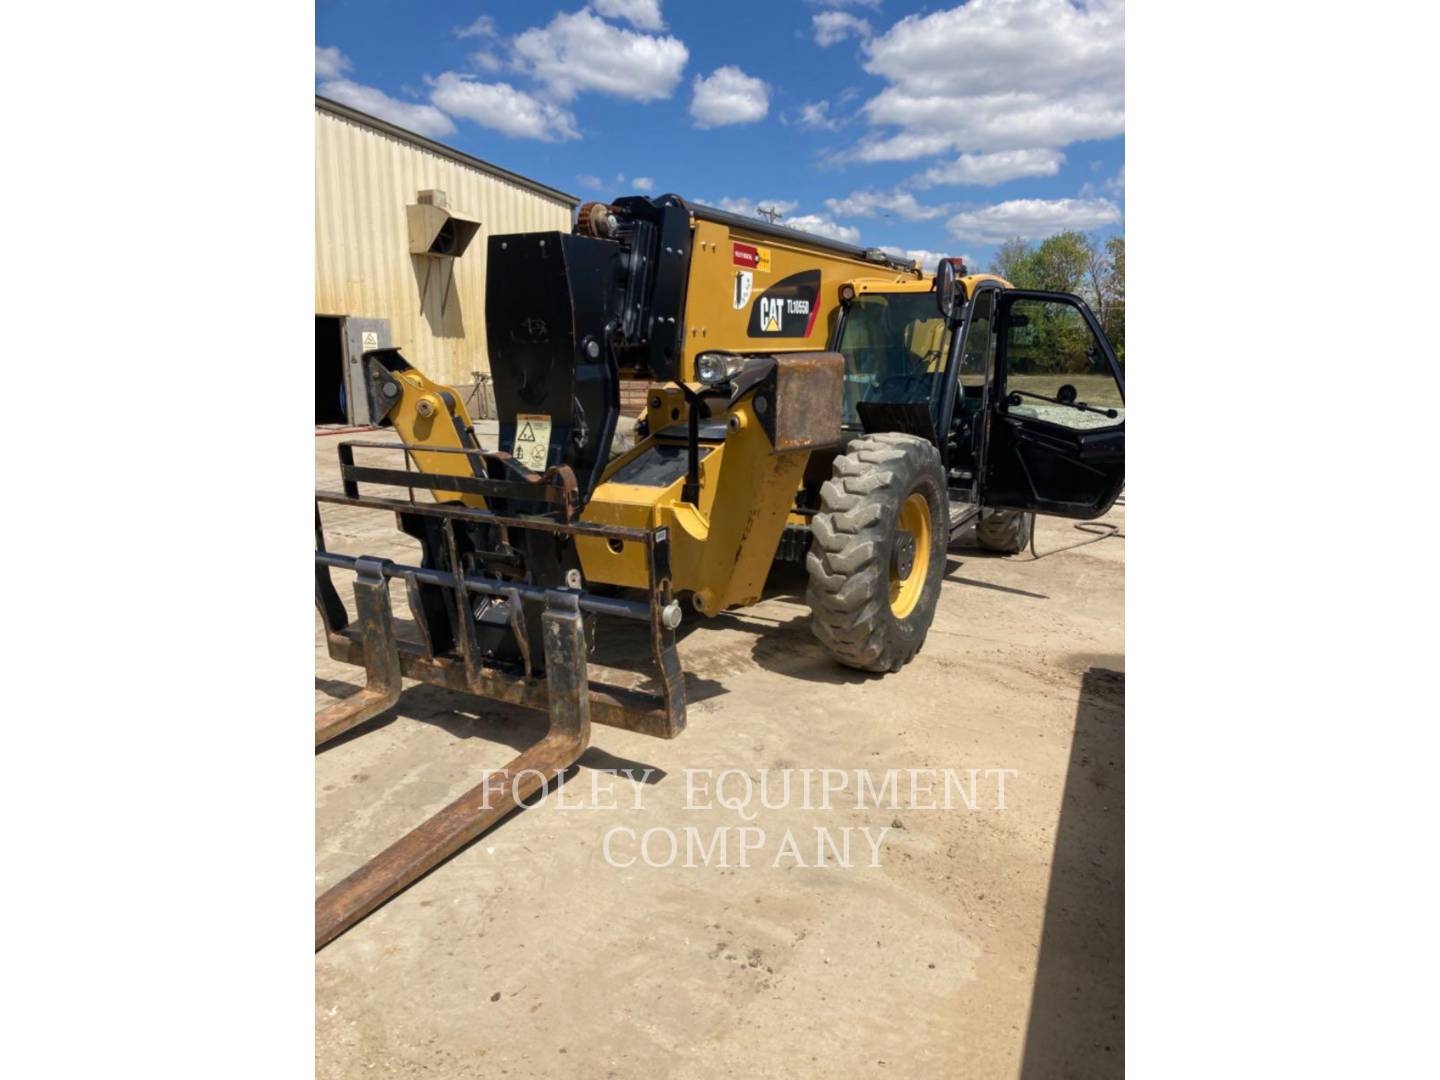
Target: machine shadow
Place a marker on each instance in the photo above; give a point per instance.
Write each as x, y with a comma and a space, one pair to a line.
789, 647
786, 647
1077, 1011
467, 717
951, 565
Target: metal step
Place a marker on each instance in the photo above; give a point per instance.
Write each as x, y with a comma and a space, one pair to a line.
961, 512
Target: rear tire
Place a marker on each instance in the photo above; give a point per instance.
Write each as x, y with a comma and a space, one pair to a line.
870, 605
1006, 532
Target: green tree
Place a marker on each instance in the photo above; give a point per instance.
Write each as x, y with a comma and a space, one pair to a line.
1062, 262
1074, 263
1114, 318
1014, 261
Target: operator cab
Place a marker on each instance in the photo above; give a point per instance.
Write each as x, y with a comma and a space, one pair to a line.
1020, 390
897, 346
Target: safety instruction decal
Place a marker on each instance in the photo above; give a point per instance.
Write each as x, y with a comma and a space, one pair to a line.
532, 440
740, 293
750, 256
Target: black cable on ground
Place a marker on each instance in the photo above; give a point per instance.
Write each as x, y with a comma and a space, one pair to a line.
1102, 530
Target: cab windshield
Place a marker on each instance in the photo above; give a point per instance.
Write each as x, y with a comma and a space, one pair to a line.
894, 346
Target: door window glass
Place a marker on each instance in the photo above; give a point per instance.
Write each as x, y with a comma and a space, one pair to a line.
975, 360
1051, 353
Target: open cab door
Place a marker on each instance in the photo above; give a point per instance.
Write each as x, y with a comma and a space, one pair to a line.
1057, 412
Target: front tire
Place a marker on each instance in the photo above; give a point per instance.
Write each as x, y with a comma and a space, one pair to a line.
878, 551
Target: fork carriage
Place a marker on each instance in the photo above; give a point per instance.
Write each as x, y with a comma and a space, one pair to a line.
453, 599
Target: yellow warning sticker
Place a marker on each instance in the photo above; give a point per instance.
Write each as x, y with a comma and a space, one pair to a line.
532, 440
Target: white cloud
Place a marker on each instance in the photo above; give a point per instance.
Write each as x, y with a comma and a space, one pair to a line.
484, 26
503, 108
589, 183
642, 13
816, 116
988, 169
927, 260
421, 119
1032, 219
997, 75
330, 63
638, 183
486, 61
581, 51
1115, 186
823, 226
750, 207
905, 146
884, 204
819, 224
729, 96
832, 27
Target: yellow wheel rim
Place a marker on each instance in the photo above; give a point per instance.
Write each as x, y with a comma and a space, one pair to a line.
905, 591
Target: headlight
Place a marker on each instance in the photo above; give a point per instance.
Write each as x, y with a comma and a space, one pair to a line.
713, 368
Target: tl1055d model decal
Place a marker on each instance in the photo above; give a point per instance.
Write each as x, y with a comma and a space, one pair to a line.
787, 308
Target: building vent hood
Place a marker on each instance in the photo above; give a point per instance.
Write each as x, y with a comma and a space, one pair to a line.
434, 230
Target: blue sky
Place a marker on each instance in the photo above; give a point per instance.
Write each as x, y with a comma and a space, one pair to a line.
928, 129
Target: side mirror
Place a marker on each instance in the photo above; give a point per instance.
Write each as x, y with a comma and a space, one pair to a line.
1066, 395
949, 293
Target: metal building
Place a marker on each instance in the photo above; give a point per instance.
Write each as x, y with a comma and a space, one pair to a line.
401, 224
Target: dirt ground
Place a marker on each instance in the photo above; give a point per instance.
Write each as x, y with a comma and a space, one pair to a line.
986, 943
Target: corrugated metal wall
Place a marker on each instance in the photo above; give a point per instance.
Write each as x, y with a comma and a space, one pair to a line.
364, 179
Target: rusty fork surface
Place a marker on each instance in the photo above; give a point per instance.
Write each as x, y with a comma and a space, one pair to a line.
424, 848
565, 690
382, 660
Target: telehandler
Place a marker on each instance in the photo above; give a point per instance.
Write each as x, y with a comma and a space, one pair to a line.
810, 400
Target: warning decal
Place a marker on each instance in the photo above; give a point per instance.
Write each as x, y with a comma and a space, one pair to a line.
750, 256
788, 308
740, 294
532, 440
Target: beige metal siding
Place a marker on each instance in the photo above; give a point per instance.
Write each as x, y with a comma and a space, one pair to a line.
364, 179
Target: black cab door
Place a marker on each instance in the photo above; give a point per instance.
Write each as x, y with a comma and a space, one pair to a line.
1056, 411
